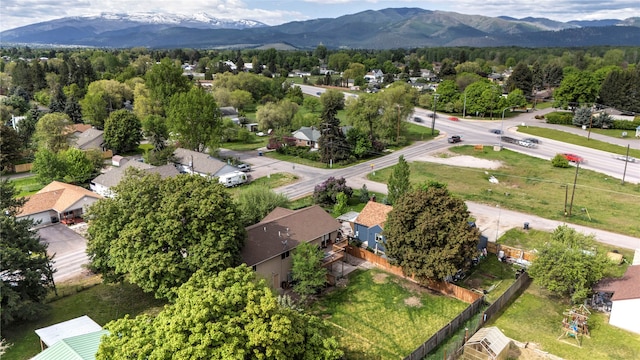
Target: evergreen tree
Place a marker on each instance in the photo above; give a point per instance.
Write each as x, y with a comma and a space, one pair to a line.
399, 182
58, 101
27, 273
333, 142
521, 78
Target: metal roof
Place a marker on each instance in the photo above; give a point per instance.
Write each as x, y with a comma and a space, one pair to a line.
80, 347
66, 329
492, 340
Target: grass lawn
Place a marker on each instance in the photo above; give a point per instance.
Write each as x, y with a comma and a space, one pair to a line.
380, 316
582, 139
255, 143
537, 317
273, 181
534, 186
27, 186
491, 275
101, 302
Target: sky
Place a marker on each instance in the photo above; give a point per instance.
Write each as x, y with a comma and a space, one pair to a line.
16, 13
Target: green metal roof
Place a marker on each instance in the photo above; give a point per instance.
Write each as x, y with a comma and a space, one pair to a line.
80, 347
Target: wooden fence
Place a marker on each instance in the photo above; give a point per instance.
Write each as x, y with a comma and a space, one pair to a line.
442, 287
511, 252
23, 168
522, 281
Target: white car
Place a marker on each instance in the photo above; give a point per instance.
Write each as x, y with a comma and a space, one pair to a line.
244, 167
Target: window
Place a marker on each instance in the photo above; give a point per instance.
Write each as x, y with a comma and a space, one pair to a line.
379, 238
254, 268
284, 255
325, 240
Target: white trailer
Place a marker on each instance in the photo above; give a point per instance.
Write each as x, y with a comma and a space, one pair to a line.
234, 178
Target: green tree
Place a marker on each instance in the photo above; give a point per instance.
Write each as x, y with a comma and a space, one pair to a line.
521, 78
577, 88
256, 202
276, 115
568, 265
399, 182
78, 168
326, 193
364, 113
240, 99
333, 142
164, 80
582, 116
27, 272
52, 132
11, 148
428, 235
308, 273
158, 232
231, 315
122, 131
48, 166
311, 103
342, 204
195, 119
516, 99
155, 129
104, 97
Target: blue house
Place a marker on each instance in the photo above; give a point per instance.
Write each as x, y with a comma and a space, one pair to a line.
370, 224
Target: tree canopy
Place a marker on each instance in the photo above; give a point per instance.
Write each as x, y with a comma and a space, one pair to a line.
399, 182
122, 131
195, 120
255, 202
159, 232
569, 264
53, 132
428, 235
231, 315
308, 273
27, 272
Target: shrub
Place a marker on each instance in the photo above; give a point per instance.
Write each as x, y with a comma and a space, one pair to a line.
327, 192
560, 161
560, 118
625, 124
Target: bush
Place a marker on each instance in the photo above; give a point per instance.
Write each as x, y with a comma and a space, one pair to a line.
560, 161
560, 118
300, 151
625, 124
327, 192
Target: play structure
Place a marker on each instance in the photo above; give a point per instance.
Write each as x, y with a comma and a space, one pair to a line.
575, 324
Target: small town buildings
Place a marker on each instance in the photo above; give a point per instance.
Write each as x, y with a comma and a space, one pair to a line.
625, 299
270, 242
58, 202
487, 344
103, 184
75, 339
91, 138
307, 136
193, 162
370, 223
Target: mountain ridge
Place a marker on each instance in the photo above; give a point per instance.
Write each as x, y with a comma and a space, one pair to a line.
372, 29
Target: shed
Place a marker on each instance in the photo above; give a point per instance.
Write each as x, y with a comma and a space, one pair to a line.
487, 343
118, 160
348, 222
66, 329
80, 347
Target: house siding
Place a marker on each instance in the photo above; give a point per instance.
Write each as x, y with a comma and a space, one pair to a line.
625, 315
41, 218
368, 235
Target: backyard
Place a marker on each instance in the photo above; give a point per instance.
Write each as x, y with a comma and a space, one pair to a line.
533, 185
380, 316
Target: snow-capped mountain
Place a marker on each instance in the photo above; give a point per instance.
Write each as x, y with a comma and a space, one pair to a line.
197, 20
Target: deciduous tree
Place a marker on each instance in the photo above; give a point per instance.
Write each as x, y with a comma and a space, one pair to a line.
195, 119
326, 193
122, 131
158, 232
256, 202
399, 182
53, 132
27, 272
231, 315
308, 273
568, 265
428, 235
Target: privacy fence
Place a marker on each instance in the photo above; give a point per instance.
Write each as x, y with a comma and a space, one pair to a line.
475, 300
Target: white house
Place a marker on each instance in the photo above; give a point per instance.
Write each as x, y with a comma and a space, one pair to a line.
625, 301
104, 183
58, 202
193, 162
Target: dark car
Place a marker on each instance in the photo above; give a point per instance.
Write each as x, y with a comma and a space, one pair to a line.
454, 139
417, 119
496, 131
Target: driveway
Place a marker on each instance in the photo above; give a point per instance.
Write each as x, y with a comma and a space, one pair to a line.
69, 249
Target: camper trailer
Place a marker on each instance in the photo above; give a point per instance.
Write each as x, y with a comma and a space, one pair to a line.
233, 178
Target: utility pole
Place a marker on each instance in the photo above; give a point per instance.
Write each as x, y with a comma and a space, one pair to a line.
433, 122
590, 123
566, 195
626, 161
573, 192
464, 106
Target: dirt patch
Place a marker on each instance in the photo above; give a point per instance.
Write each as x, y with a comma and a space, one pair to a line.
380, 278
412, 301
461, 160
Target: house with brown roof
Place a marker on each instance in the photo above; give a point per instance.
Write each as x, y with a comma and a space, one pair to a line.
625, 300
58, 202
270, 242
369, 225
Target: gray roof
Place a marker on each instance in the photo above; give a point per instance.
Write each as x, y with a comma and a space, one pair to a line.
307, 133
491, 340
228, 111
113, 177
202, 163
350, 216
87, 136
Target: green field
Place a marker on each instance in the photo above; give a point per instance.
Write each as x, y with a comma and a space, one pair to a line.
27, 186
380, 316
532, 185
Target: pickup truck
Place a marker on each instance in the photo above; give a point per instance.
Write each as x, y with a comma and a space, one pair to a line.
454, 139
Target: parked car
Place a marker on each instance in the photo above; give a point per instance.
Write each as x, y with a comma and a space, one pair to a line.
417, 119
573, 158
244, 167
454, 139
496, 131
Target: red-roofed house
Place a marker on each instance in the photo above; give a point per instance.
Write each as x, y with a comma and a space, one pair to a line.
625, 302
58, 202
270, 242
370, 223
